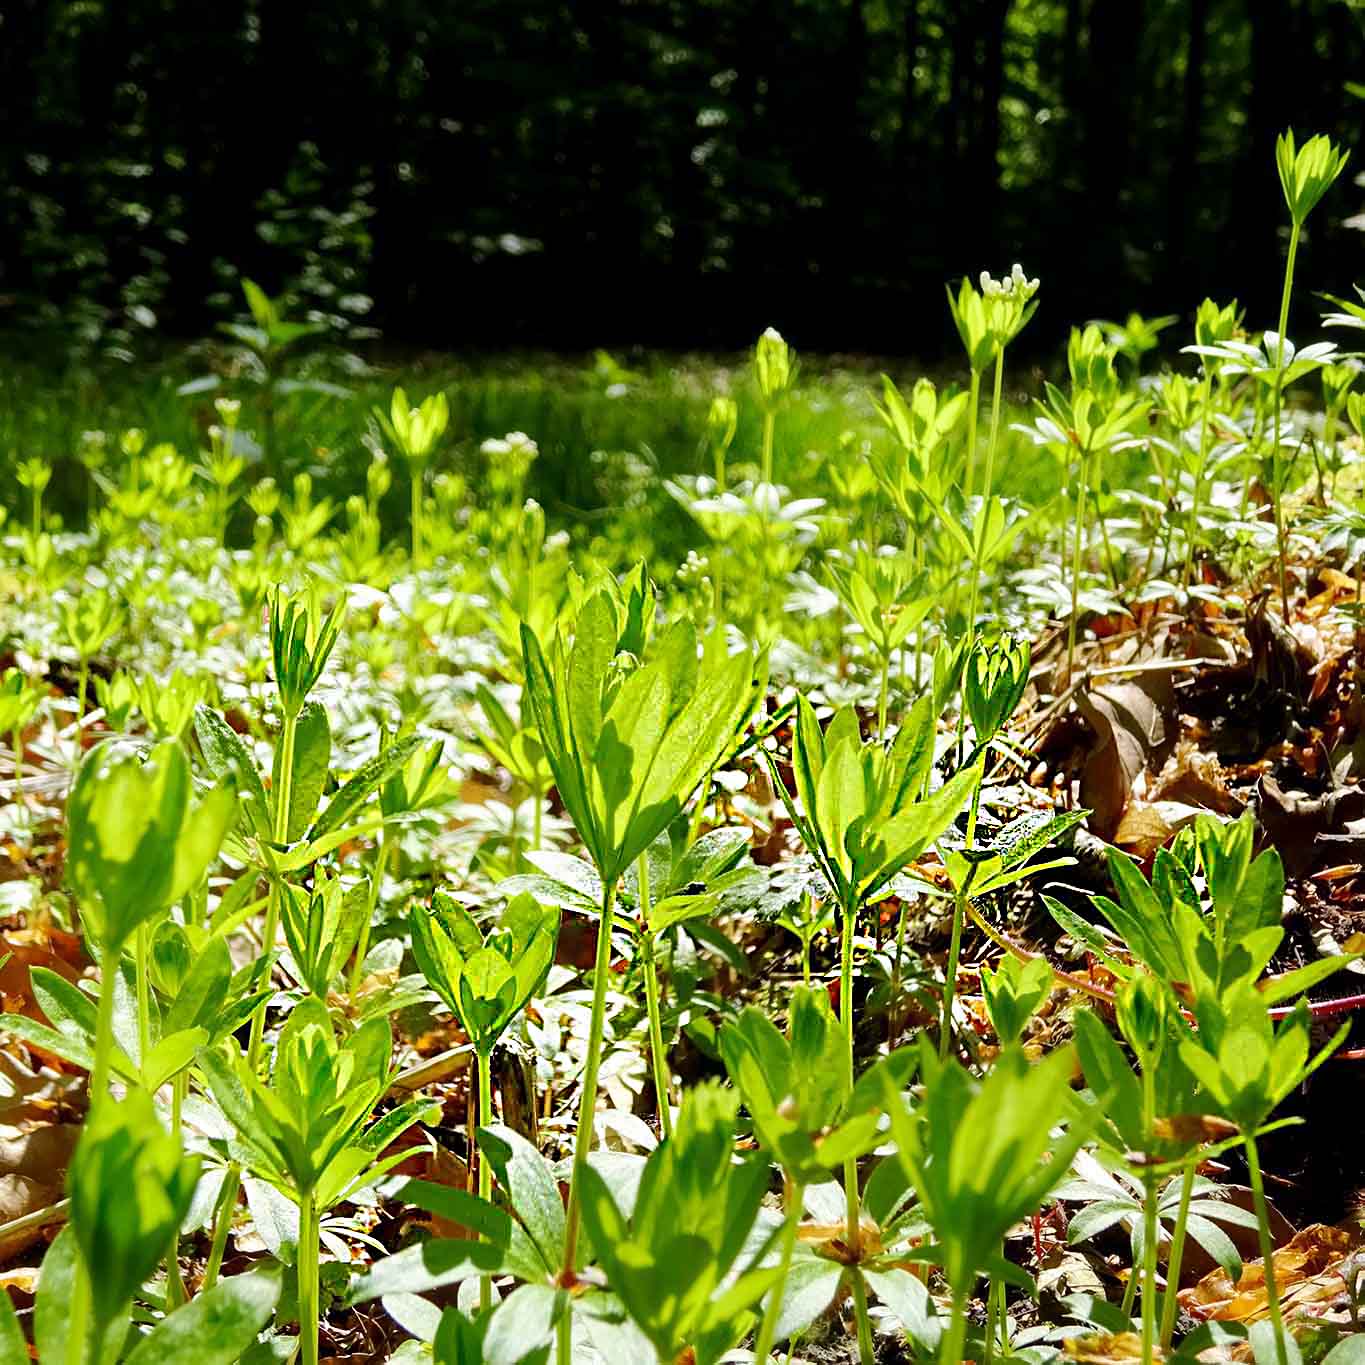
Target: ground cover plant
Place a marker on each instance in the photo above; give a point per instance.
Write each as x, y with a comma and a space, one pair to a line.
875, 875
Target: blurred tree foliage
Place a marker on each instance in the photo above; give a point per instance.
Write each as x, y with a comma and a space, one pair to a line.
575, 172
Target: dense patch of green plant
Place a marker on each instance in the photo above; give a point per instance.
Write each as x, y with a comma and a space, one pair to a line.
340, 787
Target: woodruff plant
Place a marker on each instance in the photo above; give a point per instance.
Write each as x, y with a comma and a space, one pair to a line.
630, 726
485, 978
859, 810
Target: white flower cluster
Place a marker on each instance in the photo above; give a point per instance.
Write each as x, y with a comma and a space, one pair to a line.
517, 442
1015, 285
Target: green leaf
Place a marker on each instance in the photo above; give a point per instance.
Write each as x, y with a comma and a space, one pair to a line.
807, 1292
13, 1348
523, 1322
171, 1055
426, 1266
1350, 1351
458, 1206
905, 1295
531, 1186
216, 1327
229, 760
366, 780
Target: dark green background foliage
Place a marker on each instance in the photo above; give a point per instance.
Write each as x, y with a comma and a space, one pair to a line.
675, 172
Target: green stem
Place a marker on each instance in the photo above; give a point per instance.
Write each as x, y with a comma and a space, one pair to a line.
362, 946
866, 1354
973, 401
853, 1230
658, 1058
308, 1279
588, 1103
954, 1338
881, 698
416, 472
657, 1055
1275, 447
1193, 534
995, 420
769, 423
484, 1058
104, 1029
767, 1331
945, 1032
1267, 1246
894, 1011
1076, 565
988, 1353
222, 1221
1149, 1238
1130, 1294
177, 1291
142, 950
283, 800
1173, 1263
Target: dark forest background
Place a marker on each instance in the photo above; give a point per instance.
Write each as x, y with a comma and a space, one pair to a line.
571, 173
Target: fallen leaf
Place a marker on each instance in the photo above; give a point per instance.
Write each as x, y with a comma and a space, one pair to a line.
1135, 724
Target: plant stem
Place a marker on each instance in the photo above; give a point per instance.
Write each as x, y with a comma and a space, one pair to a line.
988, 1353
945, 1032
894, 1012
769, 423
852, 1230
973, 401
177, 1291
308, 1279
995, 420
588, 1102
881, 699
142, 951
1149, 1236
1275, 447
950, 1352
1076, 565
657, 1054
483, 1055
768, 1328
362, 946
1170, 1304
866, 1354
104, 1029
227, 1206
283, 800
1267, 1246
1192, 534
416, 473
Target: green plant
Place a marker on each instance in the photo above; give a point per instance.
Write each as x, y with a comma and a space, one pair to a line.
309, 1131
628, 743
858, 810
90, 621
669, 1258
415, 432
1306, 174
485, 979
19, 703
980, 1155
774, 371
